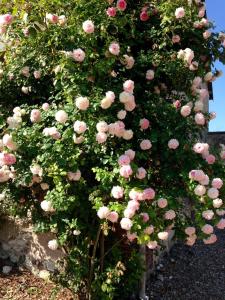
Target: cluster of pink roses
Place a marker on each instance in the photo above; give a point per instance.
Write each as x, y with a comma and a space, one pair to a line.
54, 19
203, 149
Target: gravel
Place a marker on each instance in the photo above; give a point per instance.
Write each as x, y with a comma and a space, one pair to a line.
191, 273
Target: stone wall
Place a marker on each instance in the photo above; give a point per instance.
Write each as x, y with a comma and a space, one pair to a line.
216, 138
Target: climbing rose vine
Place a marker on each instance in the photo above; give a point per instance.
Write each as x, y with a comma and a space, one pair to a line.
104, 145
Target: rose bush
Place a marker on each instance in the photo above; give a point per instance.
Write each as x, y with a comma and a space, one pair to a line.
105, 144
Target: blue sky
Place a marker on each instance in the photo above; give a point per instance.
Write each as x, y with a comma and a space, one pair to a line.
215, 12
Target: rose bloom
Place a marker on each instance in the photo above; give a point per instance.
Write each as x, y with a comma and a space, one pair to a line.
200, 119
130, 106
131, 236
88, 26
111, 11
6, 19
210, 159
126, 171
206, 34
163, 235
177, 104
78, 55
135, 195
141, 173
200, 190
145, 217
152, 245
126, 97
173, 144
52, 18
129, 212
221, 224
128, 134
80, 127
170, 215
117, 192
197, 175
47, 206
103, 212
133, 204
148, 194
217, 203
145, 145
53, 245
114, 48
74, 176
179, 12
102, 126
207, 229
106, 103
129, 61
208, 214
144, 16
162, 203
185, 110
217, 183
175, 39
150, 74
124, 160
110, 95
126, 224
37, 74
130, 153
7, 159
35, 116
62, 20
149, 230
213, 193
78, 139
198, 106
210, 240
121, 5
144, 124
190, 231
191, 240
128, 86
101, 137
82, 103
113, 216
61, 116
121, 115
45, 106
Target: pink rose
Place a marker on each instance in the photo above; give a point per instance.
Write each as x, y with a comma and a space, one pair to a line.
102, 126
128, 86
210, 159
190, 231
144, 123
121, 5
129, 212
52, 18
37, 74
213, 193
148, 194
113, 216
197, 175
149, 230
74, 176
7, 159
177, 104
207, 229
124, 160
121, 115
141, 173
144, 16
101, 137
126, 97
150, 74
131, 236
145, 145
152, 245
128, 135
130, 153
163, 235
217, 183
45, 106
173, 144
80, 127
200, 119
6, 19
126, 171
208, 214
78, 55
136, 195
117, 192
145, 217
88, 26
128, 61
179, 13
114, 48
175, 39
111, 11
126, 224
61, 116
221, 224
210, 240
162, 203
170, 215
35, 116
200, 190
217, 203
185, 110
133, 204
103, 212
82, 103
